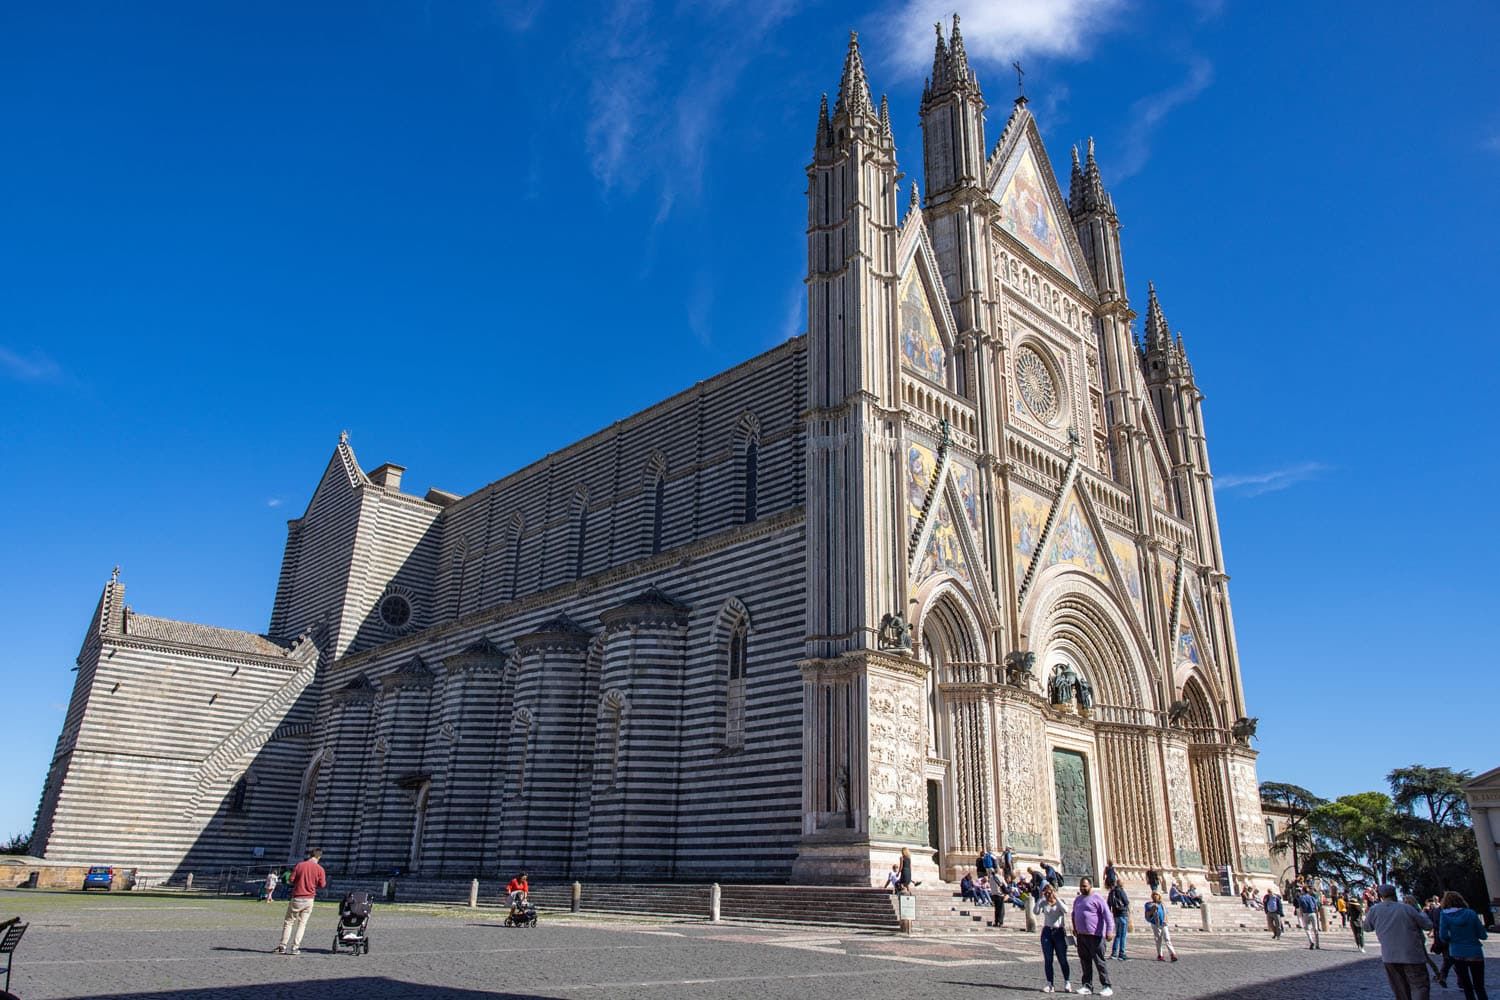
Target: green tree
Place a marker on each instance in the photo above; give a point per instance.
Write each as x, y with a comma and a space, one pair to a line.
1438, 847
1298, 802
1358, 838
18, 844
1439, 791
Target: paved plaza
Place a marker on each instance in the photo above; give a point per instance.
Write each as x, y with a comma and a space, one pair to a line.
134, 947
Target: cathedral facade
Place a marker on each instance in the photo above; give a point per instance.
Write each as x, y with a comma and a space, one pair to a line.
944, 573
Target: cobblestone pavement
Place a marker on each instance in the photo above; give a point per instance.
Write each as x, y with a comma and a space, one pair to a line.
135, 948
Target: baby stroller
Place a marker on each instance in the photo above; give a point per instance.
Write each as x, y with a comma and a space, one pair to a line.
353, 931
522, 914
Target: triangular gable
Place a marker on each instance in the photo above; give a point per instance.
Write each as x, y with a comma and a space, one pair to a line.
945, 551
1158, 472
925, 331
341, 473
1032, 208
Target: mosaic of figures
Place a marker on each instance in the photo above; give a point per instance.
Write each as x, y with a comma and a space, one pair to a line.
1128, 560
1072, 541
921, 344
1026, 213
1186, 645
944, 551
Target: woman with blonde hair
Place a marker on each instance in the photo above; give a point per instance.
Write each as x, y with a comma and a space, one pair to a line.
1461, 930
1054, 935
1156, 919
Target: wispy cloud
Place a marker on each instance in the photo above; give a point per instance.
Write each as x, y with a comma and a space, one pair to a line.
796, 306
1491, 143
657, 93
999, 33
31, 367
1148, 112
1256, 484
274, 502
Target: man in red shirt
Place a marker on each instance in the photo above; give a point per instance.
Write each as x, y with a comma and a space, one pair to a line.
307, 879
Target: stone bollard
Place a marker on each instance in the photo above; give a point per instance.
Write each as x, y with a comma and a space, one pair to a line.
714, 898
473, 893
1208, 923
187, 883
577, 896
1030, 916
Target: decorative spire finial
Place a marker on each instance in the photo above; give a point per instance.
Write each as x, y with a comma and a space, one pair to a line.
114, 576
885, 117
916, 198
343, 437
854, 88
961, 71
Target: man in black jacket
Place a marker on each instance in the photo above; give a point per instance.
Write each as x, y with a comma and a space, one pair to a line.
1119, 908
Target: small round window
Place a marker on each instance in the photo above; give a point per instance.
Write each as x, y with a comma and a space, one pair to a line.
395, 611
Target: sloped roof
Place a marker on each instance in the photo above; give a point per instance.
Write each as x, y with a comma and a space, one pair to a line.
226, 639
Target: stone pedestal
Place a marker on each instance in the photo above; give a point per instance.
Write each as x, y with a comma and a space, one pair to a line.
864, 795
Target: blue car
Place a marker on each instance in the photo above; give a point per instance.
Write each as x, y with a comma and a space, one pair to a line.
99, 877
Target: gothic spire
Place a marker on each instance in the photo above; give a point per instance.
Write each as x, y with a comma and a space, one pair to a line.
1158, 333
824, 137
885, 118
1086, 191
958, 57
939, 77
854, 88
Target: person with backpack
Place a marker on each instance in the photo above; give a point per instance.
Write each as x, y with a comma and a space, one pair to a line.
1355, 909
1273, 908
1156, 919
1119, 908
1462, 931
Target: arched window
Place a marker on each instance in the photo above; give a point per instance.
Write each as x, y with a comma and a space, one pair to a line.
751, 473
239, 795
734, 700
418, 827
515, 557
612, 718
658, 506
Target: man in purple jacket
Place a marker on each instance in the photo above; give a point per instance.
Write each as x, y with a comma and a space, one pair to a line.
1092, 925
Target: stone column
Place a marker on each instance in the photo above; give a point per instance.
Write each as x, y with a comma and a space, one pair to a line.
1484, 811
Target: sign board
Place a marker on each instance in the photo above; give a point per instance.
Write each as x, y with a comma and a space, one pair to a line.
1226, 881
906, 907
259, 852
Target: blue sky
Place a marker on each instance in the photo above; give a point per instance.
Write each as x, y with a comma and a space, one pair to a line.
472, 232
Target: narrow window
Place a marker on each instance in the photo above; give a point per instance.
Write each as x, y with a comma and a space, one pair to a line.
614, 746
752, 459
239, 794
658, 504
515, 561
583, 531
734, 701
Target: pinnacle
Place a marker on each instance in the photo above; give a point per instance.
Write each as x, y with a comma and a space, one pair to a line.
885, 116
825, 129
1158, 333
961, 71
854, 88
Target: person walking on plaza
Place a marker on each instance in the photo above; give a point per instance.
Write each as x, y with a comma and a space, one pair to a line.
1403, 948
1461, 930
1153, 879
1273, 907
1434, 911
1008, 863
986, 864
1111, 877
1343, 908
271, 881
1092, 926
905, 883
1356, 912
1156, 919
307, 878
1054, 936
1307, 909
1119, 908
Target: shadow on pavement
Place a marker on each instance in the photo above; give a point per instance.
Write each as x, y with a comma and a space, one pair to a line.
363, 987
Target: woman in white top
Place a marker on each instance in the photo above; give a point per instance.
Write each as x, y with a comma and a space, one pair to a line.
1054, 935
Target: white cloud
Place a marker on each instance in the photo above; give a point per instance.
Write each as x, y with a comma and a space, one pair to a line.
1148, 112
659, 92
1256, 484
32, 367
274, 502
1002, 31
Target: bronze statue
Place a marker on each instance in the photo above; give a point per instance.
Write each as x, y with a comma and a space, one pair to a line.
1177, 714
1244, 729
1063, 679
1018, 667
895, 633
1085, 692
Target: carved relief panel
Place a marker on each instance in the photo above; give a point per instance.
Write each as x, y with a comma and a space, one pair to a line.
897, 752
1250, 825
1180, 807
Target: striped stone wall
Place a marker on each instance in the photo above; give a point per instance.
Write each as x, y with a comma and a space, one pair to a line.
166, 719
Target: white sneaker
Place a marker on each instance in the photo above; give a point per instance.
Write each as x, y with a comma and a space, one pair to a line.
1107, 992
1048, 988
1084, 991
1067, 986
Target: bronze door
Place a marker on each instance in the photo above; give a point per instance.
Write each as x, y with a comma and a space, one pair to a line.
1075, 829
